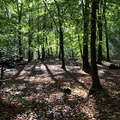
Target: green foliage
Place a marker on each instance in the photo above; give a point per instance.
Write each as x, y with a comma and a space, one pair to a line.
41, 20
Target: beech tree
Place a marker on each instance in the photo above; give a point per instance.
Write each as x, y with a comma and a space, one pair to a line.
100, 32
85, 8
95, 78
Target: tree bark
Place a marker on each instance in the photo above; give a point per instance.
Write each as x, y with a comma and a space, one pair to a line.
43, 53
62, 48
99, 61
106, 33
61, 38
19, 10
86, 65
95, 78
30, 52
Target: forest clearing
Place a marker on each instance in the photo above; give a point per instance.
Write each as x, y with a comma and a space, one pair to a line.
35, 92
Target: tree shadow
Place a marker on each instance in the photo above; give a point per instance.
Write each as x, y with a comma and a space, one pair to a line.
107, 107
34, 71
112, 78
68, 77
57, 83
20, 68
9, 111
73, 77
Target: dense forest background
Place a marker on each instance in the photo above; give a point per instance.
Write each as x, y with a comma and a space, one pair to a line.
34, 29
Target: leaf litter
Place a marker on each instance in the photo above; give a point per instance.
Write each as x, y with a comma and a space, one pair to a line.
35, 92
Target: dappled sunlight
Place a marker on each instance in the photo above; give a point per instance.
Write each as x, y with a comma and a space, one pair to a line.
101, 72
55, 97
37, 93
80, 91
90, 109
27, 115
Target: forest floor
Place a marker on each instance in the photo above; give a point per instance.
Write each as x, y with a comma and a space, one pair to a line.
35, 92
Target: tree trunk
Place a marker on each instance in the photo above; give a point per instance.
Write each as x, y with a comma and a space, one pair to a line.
62, 48
43, 53
20, 43
99, 61
2, 67
61, 54
86, 65
106, 32
38, 51
95, 79
30, 54
80, 46
19, 10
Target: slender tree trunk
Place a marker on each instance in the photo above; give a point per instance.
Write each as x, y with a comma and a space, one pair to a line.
61, 36
62, 48
43, 53
99, 61
2, 74
38, 51
30, 52
95, 79
106, 33
19, 10
38, 37
20, 44
86, 65
80, 46
72, 56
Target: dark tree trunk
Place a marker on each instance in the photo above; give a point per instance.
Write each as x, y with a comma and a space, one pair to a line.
38, 38
43, 53
38, 51
2, 67
62, 48
95, 79
86, 65
19, 10
30, 51
20, 43
30, 54
61, 54
100, 40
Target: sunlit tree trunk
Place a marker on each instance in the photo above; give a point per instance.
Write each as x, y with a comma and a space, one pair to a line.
95, 78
